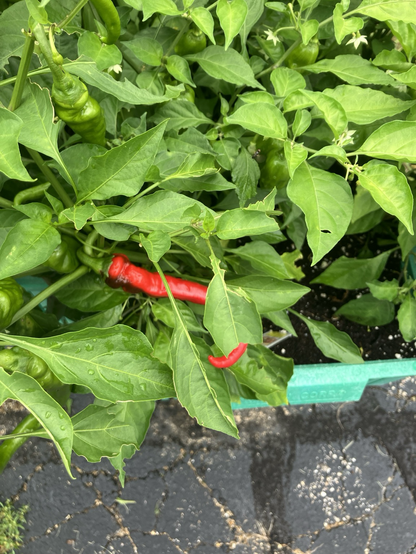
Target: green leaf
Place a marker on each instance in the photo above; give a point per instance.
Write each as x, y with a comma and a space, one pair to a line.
147, 49
227, 150
234, 224
326, 200
407, 318
28, 244
301, 123
39, 132
392, 59
308, 30
215, 182
266, 373
344, 27
167, 7
229, 316
390, 189
228, 65
204, 21
90, 294
333, 343
79, 215
256, 97
384, 290
178, 67
8, 219
161, 211
12, 21
125, 91
112, 231
267, 293
200, 387
408, 78
104, 55
332, 151
368, 310
255, 11
108, 318
264, 257
365, 105
121, 170
156, 244
331, 110
37, 11
295, 154
260, 118
163, 311
406, 34
281, 319
189, 142
10, 161
194, 165
286, 81
231, 15
395, 140
102, 430
181, 115
116, 364
245, 174
395, 10
350, 273
355, 70
46, 410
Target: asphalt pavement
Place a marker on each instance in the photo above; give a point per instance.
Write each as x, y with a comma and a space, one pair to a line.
327, 478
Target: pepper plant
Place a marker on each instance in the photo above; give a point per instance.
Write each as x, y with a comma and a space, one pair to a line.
162, 166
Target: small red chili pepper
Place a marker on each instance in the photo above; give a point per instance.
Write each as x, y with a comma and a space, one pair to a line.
232, 358
122, 273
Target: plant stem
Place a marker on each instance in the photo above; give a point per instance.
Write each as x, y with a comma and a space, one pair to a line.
52, 289
22, 73
47, 172
11, 80
4, 203
42, 39
9, 447
69, 17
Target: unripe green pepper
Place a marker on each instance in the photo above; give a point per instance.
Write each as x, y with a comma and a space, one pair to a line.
303, 55
192, 42
263, 146
11, 300
274, 172
78, 109
18, 359
26, 326
64, 258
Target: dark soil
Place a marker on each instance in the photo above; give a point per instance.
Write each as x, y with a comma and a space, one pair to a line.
376, 343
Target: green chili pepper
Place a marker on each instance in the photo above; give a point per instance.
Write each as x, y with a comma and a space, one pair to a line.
303, 55
274, 172
30, 194
11, 300
191, 42
78, 109
108, 13
18, 359
64, 258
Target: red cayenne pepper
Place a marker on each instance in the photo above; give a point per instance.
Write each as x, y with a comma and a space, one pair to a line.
131, 278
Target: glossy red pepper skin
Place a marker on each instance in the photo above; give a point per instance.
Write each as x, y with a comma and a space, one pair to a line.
122, 273
232, 358
131, 278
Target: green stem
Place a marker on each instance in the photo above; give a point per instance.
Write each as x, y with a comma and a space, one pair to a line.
11, 80
4, 203
68, 18
89, 243
22, 73
9, 447
42, 39
47, 172
212, 6
52, 289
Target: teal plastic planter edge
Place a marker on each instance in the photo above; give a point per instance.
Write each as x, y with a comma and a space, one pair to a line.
320, 383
